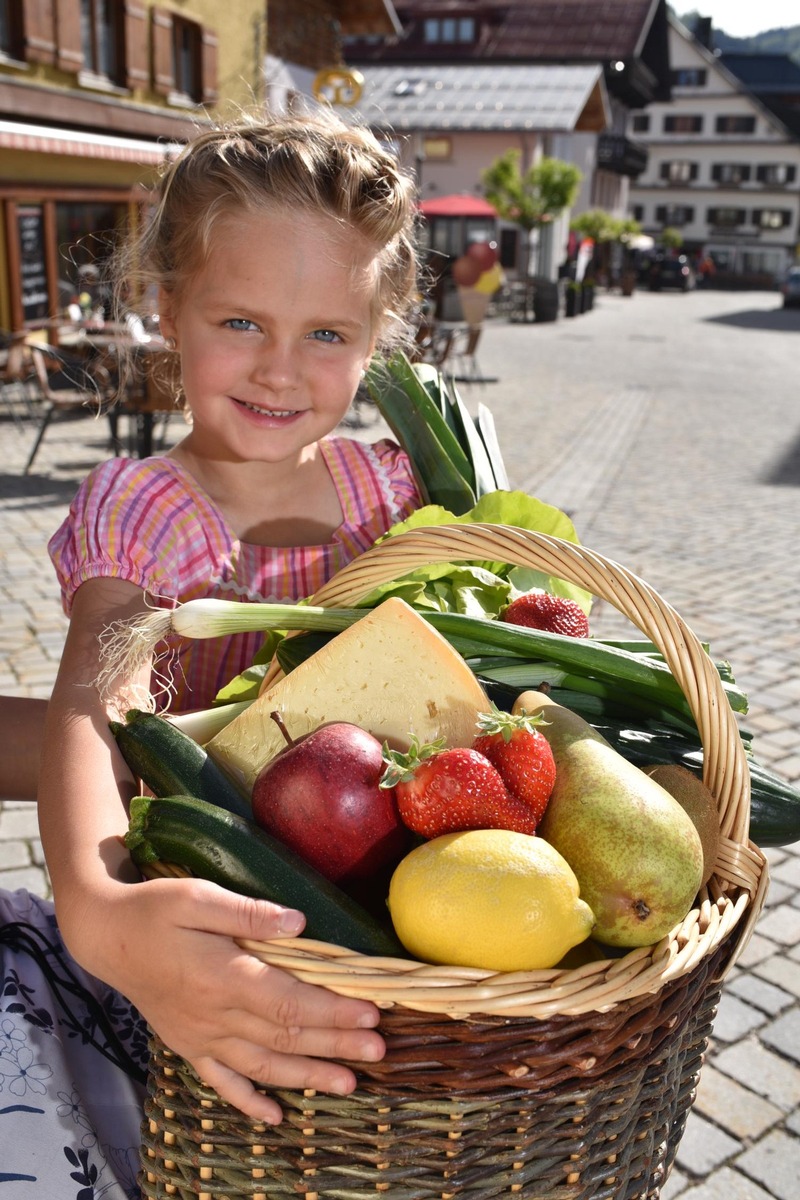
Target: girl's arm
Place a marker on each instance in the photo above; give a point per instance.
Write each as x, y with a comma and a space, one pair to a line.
167, 944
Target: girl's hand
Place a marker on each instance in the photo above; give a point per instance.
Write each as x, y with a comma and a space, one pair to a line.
231, 1016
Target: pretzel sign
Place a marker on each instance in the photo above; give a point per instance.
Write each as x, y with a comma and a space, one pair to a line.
338, 85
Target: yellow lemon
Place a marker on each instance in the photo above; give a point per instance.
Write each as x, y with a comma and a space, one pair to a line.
488, 898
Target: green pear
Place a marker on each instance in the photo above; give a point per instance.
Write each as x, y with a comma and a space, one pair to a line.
637, 855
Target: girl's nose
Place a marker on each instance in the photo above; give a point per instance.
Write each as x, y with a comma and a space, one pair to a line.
275, 366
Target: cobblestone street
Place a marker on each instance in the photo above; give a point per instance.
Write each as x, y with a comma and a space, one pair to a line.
668, 425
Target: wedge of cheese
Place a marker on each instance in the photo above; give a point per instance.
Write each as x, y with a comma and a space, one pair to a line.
391, 673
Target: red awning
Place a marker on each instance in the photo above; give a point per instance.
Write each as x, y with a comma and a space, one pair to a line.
457, 206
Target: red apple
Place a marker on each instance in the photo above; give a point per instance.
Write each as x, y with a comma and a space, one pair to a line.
321, 798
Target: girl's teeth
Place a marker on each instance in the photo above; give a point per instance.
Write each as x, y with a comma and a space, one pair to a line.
272, 412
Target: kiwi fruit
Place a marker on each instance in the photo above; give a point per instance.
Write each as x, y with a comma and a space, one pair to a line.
697, 802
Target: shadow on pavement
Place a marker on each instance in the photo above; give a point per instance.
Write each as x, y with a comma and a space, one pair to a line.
783, 320
786, 472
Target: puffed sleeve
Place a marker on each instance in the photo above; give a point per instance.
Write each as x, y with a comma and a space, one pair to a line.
130, 520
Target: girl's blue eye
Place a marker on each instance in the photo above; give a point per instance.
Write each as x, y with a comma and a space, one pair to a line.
325, 335
240, 323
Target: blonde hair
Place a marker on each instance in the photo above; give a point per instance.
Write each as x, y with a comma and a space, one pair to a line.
314, 163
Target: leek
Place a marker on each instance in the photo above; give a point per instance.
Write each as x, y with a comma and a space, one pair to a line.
455, 460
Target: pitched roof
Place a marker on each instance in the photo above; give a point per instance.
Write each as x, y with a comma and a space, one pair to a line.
627, 37
764, 72
538, 30
483, 97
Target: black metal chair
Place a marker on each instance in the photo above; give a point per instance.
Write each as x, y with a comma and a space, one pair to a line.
65, 387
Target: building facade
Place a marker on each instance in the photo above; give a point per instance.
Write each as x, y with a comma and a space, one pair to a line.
722, 169
622, 43
95, 93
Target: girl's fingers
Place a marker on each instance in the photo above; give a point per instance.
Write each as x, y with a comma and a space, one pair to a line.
238, 1091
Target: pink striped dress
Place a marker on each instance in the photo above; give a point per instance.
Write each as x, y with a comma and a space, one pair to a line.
148, 522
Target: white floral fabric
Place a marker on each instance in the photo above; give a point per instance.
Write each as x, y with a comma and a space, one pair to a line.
73, 1060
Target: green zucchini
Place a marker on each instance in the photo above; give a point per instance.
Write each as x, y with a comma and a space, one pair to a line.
170, 763
238, 855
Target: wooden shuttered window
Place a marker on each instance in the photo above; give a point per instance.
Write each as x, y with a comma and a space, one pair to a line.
137, 56
161, 41
39, 31
69, 48
208, 69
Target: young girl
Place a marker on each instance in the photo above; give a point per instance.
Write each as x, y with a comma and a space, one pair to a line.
282, 255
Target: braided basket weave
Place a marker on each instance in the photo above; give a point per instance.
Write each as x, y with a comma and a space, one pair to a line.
551, 1085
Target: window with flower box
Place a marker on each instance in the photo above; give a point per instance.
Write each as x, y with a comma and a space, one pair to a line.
679, 171
683, 123
674, 214
735, 123
731, 173
725, 217
776, 174
772, 218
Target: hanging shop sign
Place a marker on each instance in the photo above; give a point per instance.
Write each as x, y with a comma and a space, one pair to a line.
338, 85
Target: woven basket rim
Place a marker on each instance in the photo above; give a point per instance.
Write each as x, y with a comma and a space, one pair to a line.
733, 896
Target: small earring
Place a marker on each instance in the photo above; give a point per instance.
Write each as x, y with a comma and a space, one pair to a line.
170, 343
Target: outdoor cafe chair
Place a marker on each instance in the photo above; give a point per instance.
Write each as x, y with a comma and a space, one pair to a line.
64, 391
17, 382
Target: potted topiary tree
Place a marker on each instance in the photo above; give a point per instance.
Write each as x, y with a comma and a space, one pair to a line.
530, 199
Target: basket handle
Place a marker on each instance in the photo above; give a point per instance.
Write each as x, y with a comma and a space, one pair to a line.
725, 770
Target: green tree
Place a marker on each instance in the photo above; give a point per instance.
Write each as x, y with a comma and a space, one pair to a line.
671, 238
530, 198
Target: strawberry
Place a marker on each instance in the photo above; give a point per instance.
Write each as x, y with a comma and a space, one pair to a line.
553, 614
447, 791
521, 754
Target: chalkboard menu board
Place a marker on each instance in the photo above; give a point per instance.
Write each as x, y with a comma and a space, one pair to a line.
35, 300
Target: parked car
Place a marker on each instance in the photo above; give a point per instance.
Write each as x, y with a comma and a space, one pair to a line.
791, 288
673, 272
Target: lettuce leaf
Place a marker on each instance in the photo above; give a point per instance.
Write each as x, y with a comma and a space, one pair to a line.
482, 588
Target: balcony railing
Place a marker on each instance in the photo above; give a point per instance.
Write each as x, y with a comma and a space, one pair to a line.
619, 154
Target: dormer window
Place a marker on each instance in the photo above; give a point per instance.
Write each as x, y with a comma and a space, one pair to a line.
410, 87
449, 30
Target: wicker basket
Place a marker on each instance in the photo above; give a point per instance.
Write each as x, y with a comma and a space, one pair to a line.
553, 1085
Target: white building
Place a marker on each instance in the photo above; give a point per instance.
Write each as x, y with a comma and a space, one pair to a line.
722, 168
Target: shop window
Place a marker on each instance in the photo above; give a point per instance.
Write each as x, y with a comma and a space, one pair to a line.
683, 123
771, 218
678, 171
11, 29
777, 174
637, 212
735, 124
449, 30
689, 77
640, 123
102, 38
733, 173
86, 235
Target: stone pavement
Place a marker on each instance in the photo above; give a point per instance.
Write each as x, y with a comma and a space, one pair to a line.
668, 426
